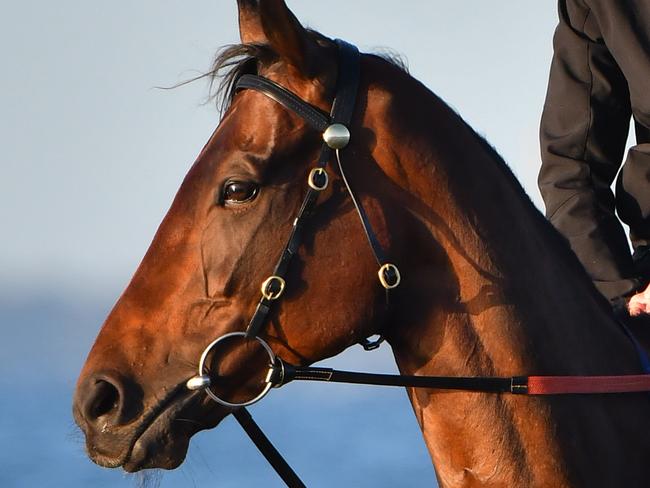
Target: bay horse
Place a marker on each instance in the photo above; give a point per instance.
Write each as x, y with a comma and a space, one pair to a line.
488, 287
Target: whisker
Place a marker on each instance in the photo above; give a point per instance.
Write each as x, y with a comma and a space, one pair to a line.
149, 478
204, 460
190, 421
75, 435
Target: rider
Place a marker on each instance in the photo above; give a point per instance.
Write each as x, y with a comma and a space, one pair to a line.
599, 79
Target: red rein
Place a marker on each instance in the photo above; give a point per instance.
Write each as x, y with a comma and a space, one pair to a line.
558, 385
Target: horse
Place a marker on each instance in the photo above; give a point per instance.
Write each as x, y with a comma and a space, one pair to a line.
488, 287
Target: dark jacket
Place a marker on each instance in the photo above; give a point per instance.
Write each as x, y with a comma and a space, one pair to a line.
600, 79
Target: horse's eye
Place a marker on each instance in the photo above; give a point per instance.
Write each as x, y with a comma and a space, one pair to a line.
239, 191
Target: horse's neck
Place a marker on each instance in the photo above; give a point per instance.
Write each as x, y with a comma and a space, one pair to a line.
473, 328
499, 296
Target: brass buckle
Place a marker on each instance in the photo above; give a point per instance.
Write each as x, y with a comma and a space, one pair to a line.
312, 179
270, 294
382, 277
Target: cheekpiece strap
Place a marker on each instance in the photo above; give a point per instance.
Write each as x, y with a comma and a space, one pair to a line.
341, 113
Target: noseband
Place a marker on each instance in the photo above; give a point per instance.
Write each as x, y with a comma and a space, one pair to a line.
335, 130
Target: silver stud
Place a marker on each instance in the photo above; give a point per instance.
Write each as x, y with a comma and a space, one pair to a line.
198, 382
336, 136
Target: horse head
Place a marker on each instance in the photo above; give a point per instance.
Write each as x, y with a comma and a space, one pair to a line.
225, 230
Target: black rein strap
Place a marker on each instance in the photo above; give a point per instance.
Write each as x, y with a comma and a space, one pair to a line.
282, 373
267, 449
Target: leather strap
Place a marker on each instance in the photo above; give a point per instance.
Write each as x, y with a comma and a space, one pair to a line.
342, 110
267, 449
312, 115
523, 385
283, 373
377, 250
347, 84
344, 101
341, 113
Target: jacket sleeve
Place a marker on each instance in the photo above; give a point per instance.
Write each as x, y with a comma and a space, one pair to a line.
583, 134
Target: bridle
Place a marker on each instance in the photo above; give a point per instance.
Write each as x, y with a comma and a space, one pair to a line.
336, 136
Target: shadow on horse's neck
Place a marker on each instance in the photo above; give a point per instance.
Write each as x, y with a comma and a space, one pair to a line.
491, 260
492, 289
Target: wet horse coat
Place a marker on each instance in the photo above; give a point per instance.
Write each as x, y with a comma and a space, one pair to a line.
489, 288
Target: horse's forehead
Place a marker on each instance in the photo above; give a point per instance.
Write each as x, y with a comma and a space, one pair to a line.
254, 121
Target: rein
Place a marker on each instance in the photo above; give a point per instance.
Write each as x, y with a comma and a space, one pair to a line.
336, 136
518, 385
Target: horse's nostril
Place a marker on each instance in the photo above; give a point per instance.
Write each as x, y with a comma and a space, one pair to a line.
102, 400
106, 400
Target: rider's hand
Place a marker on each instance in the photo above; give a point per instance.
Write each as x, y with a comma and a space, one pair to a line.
639, 304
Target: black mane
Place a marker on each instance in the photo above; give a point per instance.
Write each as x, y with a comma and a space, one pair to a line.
229, 64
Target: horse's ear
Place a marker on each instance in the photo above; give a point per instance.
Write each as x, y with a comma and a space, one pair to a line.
271, 22
250, 23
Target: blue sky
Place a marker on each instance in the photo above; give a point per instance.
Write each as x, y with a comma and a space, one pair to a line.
92, 153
